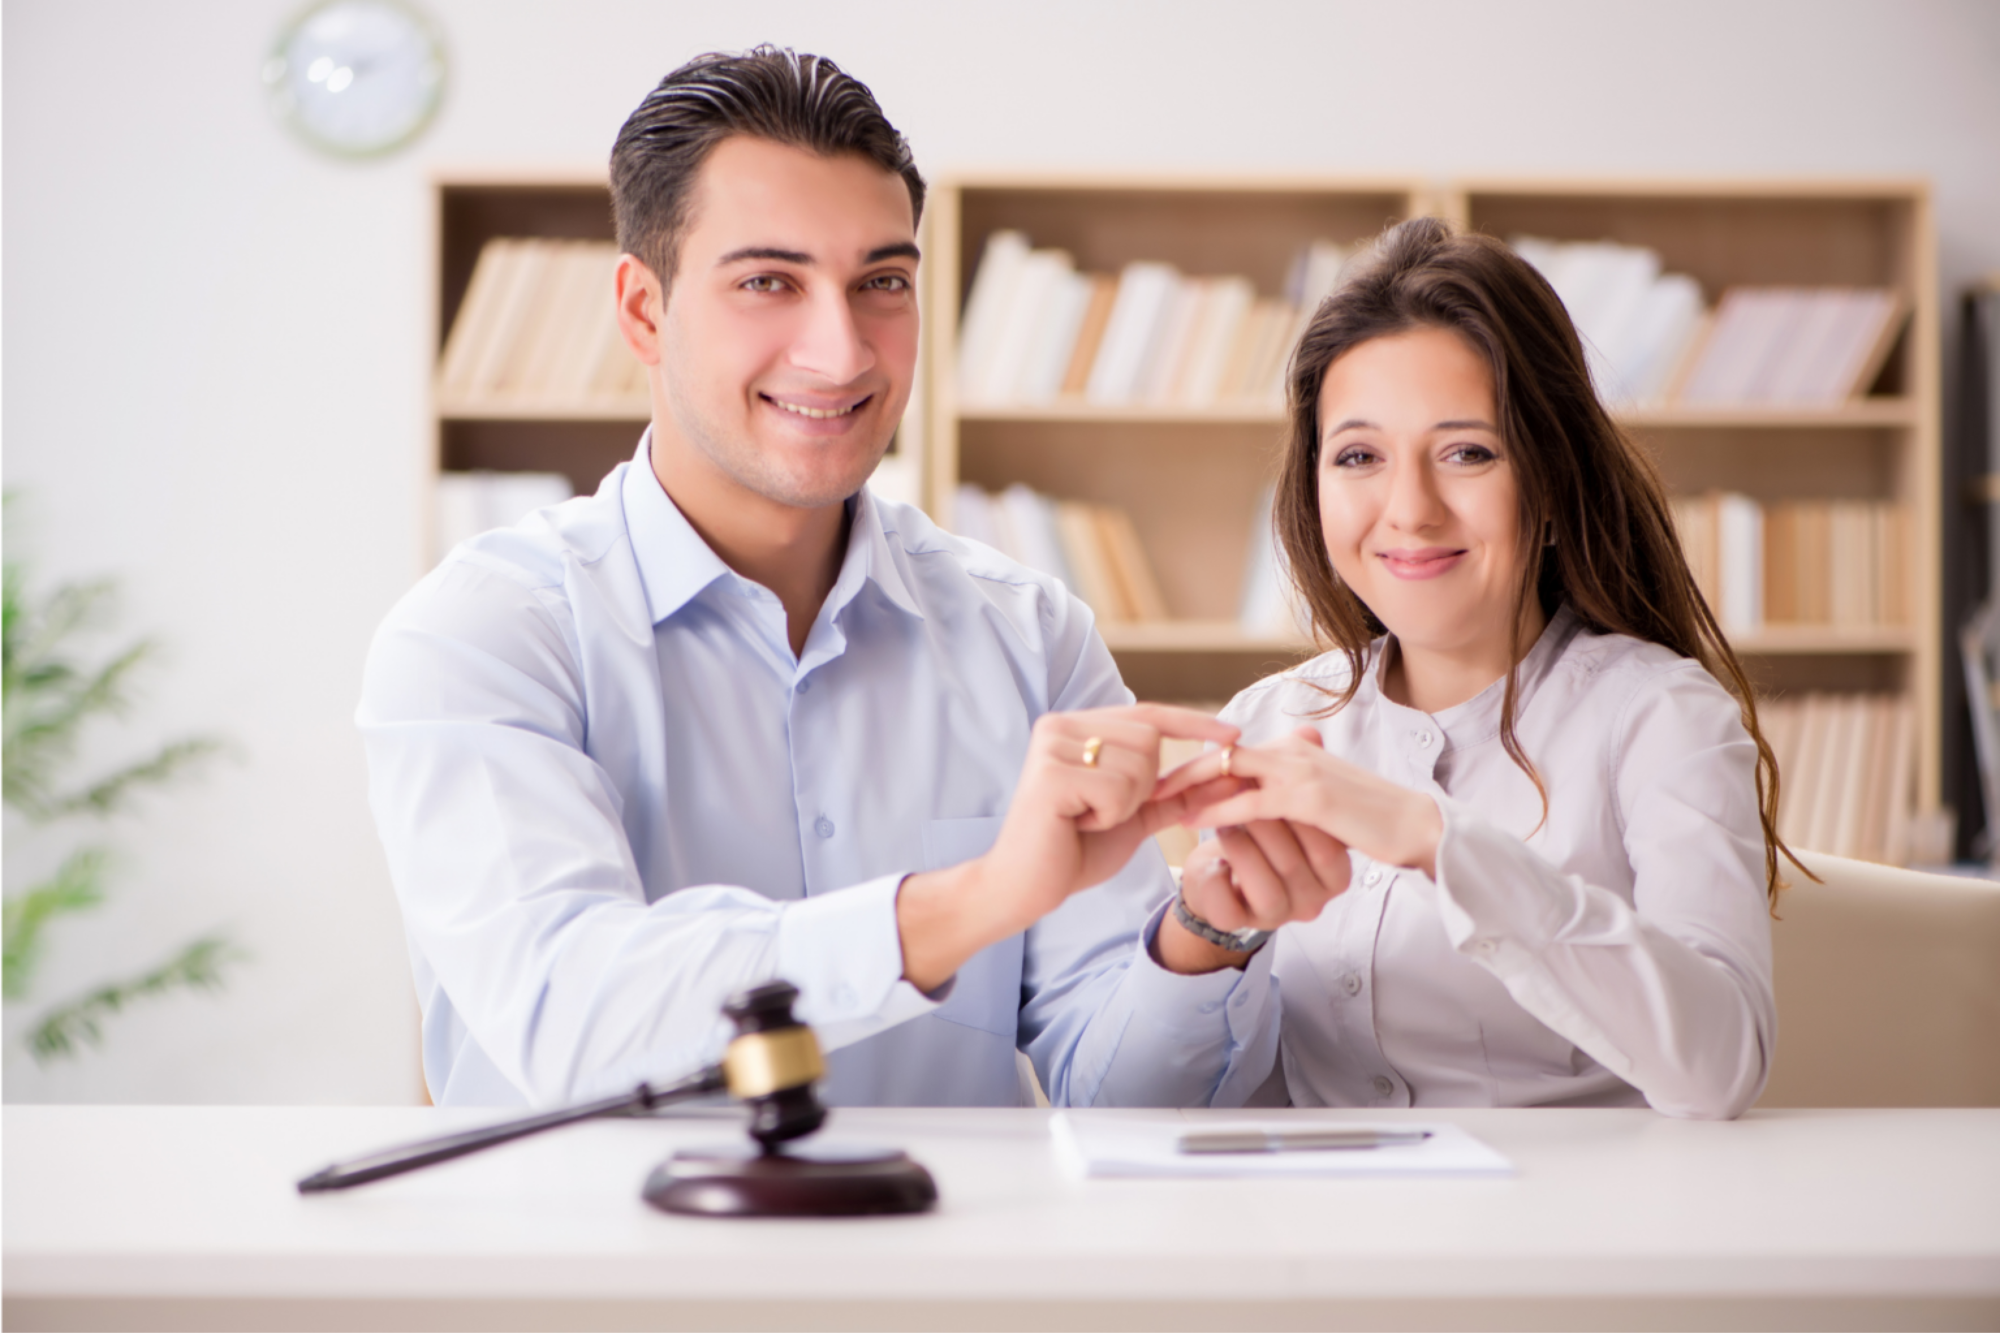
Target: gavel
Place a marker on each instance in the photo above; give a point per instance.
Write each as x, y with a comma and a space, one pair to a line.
770, 1065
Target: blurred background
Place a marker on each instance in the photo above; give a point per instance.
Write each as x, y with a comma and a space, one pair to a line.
220, 341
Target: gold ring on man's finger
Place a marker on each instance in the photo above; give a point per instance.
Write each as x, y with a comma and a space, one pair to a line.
1091, 749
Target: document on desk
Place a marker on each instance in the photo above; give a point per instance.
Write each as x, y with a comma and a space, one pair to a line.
1107, 1143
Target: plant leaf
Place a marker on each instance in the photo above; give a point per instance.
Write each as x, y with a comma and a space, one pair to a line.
77, 886
81, 1021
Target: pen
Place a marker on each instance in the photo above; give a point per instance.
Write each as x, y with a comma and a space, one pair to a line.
1300, 1140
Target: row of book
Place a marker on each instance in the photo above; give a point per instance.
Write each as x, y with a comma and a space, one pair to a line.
1094, 549
1847, 768
1038, 331
537, 322
1840, 563
1650, 341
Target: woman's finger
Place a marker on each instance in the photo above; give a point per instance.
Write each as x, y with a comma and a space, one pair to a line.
1261, 886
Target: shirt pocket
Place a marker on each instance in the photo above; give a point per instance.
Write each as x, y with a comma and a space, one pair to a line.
987, 992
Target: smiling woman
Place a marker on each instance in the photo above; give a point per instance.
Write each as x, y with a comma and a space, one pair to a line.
1558, 820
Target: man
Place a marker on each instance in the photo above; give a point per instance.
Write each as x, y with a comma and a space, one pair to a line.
734, 718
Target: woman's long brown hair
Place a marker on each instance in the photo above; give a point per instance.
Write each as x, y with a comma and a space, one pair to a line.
1595, 525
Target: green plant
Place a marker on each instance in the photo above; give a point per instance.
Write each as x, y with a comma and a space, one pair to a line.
51, 694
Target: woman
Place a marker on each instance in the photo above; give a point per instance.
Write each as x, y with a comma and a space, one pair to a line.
1559, 821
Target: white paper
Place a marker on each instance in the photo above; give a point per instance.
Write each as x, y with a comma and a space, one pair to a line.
1107, 1144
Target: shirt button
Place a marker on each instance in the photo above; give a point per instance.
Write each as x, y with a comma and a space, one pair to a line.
1351, 983
803, 686
823, 826
1383, 1087
1485, 946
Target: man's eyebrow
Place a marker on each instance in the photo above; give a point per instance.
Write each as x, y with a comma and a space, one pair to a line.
900, 250
764, 252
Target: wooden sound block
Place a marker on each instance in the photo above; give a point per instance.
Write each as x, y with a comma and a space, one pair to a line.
820, 1181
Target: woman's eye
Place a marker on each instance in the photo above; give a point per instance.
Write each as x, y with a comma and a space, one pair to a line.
1353, 456
1470, 454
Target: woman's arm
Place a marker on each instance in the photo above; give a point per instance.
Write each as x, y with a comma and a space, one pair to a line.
1672, 990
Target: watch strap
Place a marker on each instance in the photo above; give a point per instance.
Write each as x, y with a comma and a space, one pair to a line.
1239, 941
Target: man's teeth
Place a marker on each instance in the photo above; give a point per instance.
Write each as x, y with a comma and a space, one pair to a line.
816, 413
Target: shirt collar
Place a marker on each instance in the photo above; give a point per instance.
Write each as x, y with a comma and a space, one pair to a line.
1478, 718
675, 564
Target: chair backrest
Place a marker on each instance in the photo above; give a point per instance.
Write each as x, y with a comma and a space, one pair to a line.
1888, 988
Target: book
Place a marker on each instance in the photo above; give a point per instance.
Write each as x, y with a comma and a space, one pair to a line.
1269, 607
1089, 334
1846, 772
1144, 292
993, 286
1093, 578
472, 326
1199, 382
1795, 346
1131, 568
999, 375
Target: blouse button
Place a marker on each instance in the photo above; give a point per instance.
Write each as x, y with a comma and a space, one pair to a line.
1383, 1087
1351, 983
823, 826
1424, 739
1373, 877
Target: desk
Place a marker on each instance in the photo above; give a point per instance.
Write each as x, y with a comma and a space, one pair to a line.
166, 1217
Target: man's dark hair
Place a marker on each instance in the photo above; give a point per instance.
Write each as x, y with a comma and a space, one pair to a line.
769, 92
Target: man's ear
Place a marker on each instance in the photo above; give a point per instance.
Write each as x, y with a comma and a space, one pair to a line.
640, 304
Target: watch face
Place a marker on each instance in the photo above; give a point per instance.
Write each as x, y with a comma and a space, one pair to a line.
357, 77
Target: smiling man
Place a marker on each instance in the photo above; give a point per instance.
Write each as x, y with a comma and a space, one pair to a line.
734, 718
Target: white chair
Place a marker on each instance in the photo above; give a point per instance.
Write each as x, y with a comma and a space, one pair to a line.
1888, 988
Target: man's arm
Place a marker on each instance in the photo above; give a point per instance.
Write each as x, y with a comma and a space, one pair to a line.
508, 848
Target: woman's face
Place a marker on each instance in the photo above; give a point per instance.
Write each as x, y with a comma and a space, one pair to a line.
1419, 503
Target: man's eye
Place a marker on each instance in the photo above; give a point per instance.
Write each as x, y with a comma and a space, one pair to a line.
887, 282
764, 282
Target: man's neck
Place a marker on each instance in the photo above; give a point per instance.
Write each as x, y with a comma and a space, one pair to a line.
796, 553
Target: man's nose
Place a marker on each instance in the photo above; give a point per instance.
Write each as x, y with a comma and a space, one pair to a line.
831, 344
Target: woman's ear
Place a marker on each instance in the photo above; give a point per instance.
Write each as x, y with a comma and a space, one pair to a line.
641, 302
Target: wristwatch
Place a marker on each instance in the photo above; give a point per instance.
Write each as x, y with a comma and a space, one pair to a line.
1238, 941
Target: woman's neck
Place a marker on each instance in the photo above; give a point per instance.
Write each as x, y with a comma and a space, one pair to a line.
1431, 679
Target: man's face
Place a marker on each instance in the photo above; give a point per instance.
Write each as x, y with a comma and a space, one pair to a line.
789, 338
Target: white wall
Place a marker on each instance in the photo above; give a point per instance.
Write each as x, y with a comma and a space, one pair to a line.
214, 384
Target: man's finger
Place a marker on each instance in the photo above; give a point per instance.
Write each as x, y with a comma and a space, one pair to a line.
1189, 724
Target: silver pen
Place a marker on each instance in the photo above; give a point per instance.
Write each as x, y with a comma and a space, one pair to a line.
1298, 1140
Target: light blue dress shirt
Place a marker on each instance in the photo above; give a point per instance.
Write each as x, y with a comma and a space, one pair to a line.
610, 796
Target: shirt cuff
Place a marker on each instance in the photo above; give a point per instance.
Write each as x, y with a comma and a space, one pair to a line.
1192, 1004
844, 951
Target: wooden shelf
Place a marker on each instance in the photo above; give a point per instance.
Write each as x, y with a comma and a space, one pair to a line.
1774, 640
1864, 414
1196, 636
1247, 414
633, 409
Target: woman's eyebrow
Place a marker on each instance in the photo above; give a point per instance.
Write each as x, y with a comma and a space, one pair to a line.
1353, 423
1466, 425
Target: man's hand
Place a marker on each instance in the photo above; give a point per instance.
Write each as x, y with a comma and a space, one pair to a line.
1079, 813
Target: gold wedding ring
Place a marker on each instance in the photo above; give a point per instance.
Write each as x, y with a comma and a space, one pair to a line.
1228, 753
1091, 748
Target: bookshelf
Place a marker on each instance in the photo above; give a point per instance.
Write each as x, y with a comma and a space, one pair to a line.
1881, 446
1190, 476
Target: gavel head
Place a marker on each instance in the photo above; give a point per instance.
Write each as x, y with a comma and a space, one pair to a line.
771, 1064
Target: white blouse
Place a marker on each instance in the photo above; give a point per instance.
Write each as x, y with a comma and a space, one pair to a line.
1617, 953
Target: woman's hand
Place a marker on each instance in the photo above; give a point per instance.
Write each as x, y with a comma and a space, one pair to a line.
1295, 780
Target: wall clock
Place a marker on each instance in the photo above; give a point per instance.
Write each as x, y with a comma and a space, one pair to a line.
357, 78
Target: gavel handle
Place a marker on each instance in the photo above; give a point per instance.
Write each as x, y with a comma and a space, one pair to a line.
409, 1157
